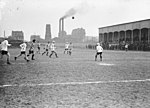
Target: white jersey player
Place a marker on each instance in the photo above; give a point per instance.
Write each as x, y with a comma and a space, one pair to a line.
99, 51
66, 47
4, 50
23, 51
53, 50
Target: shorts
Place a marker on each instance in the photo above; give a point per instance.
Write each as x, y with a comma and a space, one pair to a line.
38, 48
4, 52
23, 52
31, 52
46, 49
99, 53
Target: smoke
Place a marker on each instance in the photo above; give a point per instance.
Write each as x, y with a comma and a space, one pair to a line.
80, 9
2, 5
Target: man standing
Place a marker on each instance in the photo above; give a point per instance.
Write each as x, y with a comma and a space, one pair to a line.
126, 47
4, 50
99, 51
53, 50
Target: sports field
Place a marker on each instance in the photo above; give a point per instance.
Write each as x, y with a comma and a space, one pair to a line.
121, 80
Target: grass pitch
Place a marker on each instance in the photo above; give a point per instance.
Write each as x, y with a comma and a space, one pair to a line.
77, 81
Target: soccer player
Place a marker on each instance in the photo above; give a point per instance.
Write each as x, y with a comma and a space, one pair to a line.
99, 51
0, 51
23, 51
38, 47
4, 50
70, 48
66, 47
31, 49
47, 47
53, 50
126, 47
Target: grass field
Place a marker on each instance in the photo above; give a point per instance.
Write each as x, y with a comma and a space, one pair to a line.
121, 80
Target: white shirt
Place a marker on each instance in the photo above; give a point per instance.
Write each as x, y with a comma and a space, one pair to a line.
4, 45
66, 46
53, 47
126, 46
99, 49
23, 47
47, 46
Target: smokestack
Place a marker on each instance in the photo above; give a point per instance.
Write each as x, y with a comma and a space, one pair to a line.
62, 24
59, 25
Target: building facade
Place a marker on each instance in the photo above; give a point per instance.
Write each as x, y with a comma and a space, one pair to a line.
36, 37
17, 35
135, 33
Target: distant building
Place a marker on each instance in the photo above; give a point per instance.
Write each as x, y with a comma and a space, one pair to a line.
91, 39
48, 32
78, 34
37, 38
17, 35
136, 34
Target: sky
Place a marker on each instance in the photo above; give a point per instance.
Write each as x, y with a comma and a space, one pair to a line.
31, 16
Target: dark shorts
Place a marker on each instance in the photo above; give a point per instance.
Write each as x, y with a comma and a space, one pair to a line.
4, 52
99, 53
31, 52
38, 48
46, 49
66, 48
23, 52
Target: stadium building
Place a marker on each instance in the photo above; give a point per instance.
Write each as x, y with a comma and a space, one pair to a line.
136, 34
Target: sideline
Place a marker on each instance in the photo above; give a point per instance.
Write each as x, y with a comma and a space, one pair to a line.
74, 83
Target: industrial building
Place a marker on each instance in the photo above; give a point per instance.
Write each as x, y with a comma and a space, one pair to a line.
17, 35
136, 34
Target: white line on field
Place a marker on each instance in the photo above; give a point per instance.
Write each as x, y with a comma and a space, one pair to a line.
74, 83
105, 64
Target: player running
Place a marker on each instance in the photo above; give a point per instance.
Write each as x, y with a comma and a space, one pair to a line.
31, 49
66, 48
53, 50
38, 47
47, 47
99, 51
4, 50
23, 51
70, 48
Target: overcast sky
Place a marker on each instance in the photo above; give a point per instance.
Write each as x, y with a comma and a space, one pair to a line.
31, 16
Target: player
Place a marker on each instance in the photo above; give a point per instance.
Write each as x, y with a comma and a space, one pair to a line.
38, 47
31, 49
4, 50
0, 51
47, 47
99, 51
70, 48
66, 47
23, 51
126, 47
53, 49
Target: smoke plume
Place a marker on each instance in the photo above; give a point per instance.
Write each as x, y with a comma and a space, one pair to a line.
2, 5
80, 9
